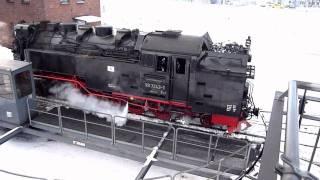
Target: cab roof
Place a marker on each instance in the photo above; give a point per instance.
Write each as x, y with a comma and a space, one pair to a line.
175, 44
12, 65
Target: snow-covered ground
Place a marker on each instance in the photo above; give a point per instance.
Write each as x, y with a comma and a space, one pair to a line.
5, 53
284, 47
39, 157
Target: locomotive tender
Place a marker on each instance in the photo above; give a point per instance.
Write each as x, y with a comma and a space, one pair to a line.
163, 73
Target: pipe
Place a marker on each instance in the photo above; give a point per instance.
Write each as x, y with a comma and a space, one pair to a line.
152, 157
10, 134
292, 132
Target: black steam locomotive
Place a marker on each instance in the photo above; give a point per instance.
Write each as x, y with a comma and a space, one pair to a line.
163, 73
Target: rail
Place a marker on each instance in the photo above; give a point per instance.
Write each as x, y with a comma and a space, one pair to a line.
209, 144
210, 163
291, 156
289, 166
292, 131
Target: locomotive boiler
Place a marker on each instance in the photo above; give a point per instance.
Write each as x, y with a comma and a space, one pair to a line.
165, 74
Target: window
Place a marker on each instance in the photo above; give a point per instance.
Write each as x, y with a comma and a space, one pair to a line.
64, 1
148, 60
23, 83
5, 87
162, 63
80, 1
25, 1
180, 66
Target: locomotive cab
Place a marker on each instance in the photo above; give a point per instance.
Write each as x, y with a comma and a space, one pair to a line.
173, 54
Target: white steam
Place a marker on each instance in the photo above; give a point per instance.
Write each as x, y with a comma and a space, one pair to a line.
102, 108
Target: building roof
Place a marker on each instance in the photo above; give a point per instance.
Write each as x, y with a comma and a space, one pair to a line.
88, 19
12, 65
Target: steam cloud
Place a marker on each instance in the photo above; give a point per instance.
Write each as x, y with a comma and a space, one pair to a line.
75, 98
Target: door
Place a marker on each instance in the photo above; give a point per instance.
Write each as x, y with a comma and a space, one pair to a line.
2, 117
180, 78
6, 95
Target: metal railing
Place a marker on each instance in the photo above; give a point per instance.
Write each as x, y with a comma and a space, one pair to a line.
210, 143
206, 145
292, 130
291, 160
59, 116
216, 162
176, 142
218, 174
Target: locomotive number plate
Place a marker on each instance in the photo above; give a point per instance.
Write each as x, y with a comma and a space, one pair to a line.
155, 86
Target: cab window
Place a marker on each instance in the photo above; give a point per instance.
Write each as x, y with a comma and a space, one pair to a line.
23, 84
180, 66
5, 87
162, 63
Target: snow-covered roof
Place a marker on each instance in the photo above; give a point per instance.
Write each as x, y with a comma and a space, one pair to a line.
12, 65
88, 19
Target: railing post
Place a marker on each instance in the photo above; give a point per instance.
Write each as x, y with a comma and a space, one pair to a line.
209, 149
173, 142
302, 107
314, 151
247, 156
219, 170
29, 113
292, 131
113, 129
85, 124
142, 136
60, 119
215, 145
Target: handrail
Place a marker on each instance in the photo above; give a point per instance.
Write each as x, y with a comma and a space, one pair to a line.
291, 165
294, 112
210, 163
292, 131
113, 128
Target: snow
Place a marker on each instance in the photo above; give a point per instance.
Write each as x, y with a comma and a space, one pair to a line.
284, 47
39, 157
88, 19
5, 53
